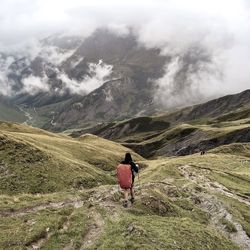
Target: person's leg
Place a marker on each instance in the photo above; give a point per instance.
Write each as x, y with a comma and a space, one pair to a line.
132, 188
125, 194
132, 192
132, 195
125, 198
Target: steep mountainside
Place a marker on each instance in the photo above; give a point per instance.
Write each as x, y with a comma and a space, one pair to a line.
189, 130
68, 69
74, 82
126, 93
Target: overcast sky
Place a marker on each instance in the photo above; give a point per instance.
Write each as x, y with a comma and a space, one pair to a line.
220, 26
21, 20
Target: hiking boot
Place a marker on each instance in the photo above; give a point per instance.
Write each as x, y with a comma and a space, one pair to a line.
125, 204
132, 200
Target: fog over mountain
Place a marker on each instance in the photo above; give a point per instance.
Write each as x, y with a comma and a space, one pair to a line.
206, 45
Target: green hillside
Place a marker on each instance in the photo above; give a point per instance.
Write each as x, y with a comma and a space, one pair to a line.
60, 193
10, 113
33, 160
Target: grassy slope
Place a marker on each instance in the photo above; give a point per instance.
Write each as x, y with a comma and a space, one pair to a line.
227, 108
10, 113
154, 232
172, 227
234, 149
33, 160
166, 214
230, 170
220, 164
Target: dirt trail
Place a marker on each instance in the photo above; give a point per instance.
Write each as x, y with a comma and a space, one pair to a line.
218, 211
40, 242
28, 210
108, 198
102, 197
65, 228
47, 235
95, 230
205, 182
216, 208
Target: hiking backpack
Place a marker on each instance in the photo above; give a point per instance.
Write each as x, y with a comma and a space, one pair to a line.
124, 175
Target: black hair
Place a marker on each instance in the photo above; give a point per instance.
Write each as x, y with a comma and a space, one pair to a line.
128, 158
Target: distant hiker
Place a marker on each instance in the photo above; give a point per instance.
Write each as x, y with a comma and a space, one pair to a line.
202, 152
126, 176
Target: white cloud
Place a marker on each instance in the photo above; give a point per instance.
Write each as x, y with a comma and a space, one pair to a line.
221, 27
55, 55
98, 75
26, 19
179, 87
5, 84
34, 85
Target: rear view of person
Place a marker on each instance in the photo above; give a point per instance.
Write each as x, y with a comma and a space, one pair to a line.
126, 176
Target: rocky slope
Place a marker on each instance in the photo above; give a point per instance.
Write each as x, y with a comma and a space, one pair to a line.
126, 92
70, 68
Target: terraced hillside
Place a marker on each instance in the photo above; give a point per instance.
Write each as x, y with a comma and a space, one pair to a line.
60, 193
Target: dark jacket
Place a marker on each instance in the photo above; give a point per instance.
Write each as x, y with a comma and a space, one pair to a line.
134, 168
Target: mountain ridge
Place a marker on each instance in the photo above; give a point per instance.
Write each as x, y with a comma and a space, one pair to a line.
192, 129
52, 81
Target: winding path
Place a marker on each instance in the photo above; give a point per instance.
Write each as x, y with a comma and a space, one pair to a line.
216, 208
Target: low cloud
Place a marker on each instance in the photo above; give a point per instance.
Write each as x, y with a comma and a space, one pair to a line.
98, 74
55, 55
5, 83
220, 29
33, 85
209, 46
185, 84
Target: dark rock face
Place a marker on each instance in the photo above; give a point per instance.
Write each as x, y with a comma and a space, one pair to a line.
117, 99
127, 94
